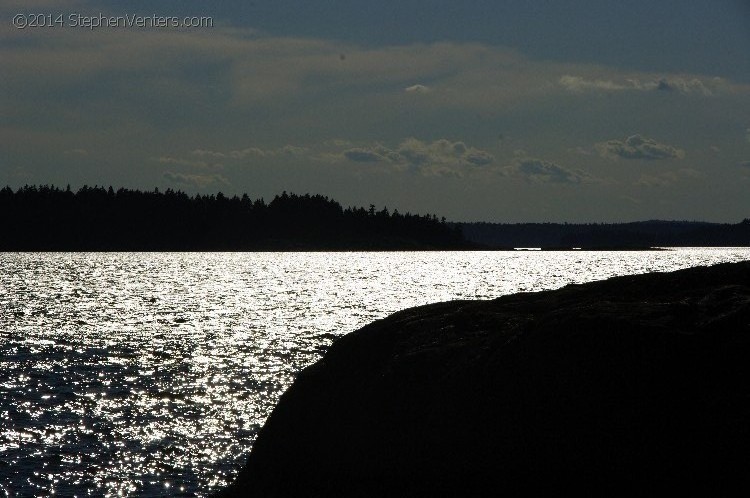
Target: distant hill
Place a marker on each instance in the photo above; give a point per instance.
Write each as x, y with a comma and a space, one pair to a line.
47, 218
601, 236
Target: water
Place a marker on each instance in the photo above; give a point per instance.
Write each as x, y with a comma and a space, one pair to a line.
149, 374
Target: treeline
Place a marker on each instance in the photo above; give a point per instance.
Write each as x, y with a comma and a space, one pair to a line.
47, 218
609, 235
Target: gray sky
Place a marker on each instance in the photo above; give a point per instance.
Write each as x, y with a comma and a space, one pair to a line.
477, 111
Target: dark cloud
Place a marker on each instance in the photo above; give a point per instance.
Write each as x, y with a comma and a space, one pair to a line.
541, 171
479, 158
362, 155
639, 147
441, 157
744, 164
686, 86
665, 86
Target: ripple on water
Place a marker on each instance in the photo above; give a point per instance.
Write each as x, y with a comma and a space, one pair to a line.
151, 374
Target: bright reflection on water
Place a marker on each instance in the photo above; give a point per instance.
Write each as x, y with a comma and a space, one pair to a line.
150, 374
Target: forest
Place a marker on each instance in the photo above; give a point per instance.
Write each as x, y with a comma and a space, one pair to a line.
48, 218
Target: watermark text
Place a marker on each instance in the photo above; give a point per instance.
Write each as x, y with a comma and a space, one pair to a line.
99, 21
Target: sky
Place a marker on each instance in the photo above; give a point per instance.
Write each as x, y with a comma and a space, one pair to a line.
487, 110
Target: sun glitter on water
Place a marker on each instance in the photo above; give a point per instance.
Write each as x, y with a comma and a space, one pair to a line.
150, 374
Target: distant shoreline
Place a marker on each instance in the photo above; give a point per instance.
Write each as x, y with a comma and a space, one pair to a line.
636, 235
47, 218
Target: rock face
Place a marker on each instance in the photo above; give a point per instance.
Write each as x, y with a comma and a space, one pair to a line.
635, 383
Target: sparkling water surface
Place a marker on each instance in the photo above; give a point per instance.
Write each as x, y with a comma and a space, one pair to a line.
150, 374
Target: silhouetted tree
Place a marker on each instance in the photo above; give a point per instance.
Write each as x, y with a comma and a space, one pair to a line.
99, 218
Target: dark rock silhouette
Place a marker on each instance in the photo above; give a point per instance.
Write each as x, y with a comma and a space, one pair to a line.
637, 383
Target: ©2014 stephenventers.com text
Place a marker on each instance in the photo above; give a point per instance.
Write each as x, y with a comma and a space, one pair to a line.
76, 20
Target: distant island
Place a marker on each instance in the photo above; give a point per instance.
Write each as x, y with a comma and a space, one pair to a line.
48, 218
640, 234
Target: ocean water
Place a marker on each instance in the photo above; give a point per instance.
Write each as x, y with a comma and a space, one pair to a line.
150, 374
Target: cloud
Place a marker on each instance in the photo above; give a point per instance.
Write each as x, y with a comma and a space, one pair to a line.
686, 86
362, 155
479, 157
232, 154
417, 89
438, 158
294, 67
194, 180
744, 164
238, 154
226, 74
291, 150
232, 98
578, 85
638, 147
671, 84
541, 171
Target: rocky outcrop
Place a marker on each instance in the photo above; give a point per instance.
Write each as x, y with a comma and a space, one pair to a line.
635, 383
